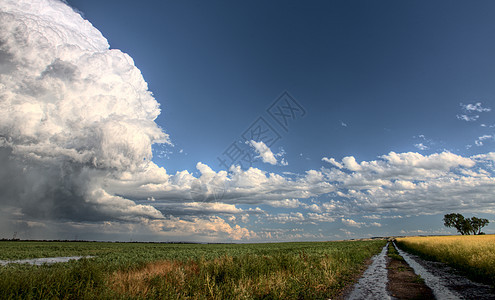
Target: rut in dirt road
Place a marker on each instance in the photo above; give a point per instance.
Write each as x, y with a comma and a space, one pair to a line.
373, 283
438, 287
446, 282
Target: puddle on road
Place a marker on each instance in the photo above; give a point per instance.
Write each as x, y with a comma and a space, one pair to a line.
445, 282
44, 260
373, 283
435, 283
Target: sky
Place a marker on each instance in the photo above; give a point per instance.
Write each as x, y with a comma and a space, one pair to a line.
254, 121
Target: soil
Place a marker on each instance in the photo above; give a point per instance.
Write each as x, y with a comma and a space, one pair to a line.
403, 283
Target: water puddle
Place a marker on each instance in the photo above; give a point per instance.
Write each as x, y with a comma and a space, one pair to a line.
445, 282
373, 283
435, 283
41, 261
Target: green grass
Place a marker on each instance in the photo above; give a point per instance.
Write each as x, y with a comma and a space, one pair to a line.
392, 253
316, 270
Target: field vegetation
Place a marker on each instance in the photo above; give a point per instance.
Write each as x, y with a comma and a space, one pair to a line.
474, 255
315, 270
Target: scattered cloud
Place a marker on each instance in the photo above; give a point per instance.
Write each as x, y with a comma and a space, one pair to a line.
214, 227
300, 218
471, 110
347, 232
318, 218
475, 107
468, 118
263, 152
373, 217
421, 146
266, 154
423, 142
294, 217
479, 141
399, 182
351, 223
286, 203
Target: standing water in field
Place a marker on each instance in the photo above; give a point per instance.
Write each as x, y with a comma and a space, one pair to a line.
373, 283
40, 261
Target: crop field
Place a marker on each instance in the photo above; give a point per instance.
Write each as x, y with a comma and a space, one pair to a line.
313, 270
472, 254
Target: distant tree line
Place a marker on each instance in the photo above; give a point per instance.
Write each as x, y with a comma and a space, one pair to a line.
465, 225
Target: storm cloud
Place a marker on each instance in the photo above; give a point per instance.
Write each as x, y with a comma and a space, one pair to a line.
72, 111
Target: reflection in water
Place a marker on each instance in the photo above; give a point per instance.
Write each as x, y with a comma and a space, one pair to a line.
44, 260
373, 283
445, 282
435, 283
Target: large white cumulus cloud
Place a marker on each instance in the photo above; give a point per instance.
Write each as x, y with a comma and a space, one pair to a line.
72, 111
65, 94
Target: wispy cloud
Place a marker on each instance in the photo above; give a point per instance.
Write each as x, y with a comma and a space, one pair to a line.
263, 152
351, 223
479, 141
286, 203
468, 118
471, 110
421, 146
475, 107
424, 143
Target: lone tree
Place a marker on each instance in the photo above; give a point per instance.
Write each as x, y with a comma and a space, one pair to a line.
465, 226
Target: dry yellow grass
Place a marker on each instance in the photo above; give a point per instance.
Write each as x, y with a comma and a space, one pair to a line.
246, 280
474, 254
136, 282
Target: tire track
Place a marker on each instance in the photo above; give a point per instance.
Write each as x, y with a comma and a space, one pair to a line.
445, 282
373, 283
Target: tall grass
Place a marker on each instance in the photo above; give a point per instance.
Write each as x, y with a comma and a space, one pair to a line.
472, 254
276, 271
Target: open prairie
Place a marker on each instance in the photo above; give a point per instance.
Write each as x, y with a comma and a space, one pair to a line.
473, 254
194, 271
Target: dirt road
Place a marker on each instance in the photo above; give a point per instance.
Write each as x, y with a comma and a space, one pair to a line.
444, 282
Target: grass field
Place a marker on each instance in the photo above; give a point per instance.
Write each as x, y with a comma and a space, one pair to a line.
472, 254
318, 270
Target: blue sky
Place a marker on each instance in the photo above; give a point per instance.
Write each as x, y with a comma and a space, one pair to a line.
389, 70
368, 79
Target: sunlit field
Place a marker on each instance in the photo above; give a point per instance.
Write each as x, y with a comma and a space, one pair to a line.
136, 270
473, 254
